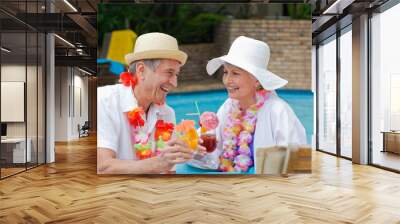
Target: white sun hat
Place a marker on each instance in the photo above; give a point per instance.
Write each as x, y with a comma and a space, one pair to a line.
155, 46
252, 56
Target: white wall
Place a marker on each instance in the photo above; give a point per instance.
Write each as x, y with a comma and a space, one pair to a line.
12, 73
34, 125
80, 100
61, 103
71, 87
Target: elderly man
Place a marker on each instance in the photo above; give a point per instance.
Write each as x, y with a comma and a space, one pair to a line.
129, 112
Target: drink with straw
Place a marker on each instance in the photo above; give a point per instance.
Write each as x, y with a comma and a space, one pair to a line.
208, 123
187, 132
209, 141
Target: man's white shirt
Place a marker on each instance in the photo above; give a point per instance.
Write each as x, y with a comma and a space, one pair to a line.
113, 128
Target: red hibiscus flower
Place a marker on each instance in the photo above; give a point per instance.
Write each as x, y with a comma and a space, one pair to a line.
128, 79
163, 130
144, 154
135, 117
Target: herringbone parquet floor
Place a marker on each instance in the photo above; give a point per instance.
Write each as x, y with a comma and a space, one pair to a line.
69, 191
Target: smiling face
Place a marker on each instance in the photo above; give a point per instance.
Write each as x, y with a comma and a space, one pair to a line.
158, 83
240, 84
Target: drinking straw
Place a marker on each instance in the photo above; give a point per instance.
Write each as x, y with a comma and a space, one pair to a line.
197, 108
198, 111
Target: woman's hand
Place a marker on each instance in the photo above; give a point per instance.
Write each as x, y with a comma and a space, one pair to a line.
200, 148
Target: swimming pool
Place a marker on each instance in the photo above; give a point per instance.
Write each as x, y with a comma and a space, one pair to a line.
301, 102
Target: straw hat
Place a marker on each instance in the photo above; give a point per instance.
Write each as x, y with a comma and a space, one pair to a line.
154, 46
252, 56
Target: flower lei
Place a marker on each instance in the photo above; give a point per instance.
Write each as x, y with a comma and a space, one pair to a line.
140, 140
237, 135
163, 134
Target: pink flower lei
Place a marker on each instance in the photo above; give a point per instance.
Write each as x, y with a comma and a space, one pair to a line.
237, 135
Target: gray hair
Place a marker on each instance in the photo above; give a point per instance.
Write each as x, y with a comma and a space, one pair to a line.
151, 63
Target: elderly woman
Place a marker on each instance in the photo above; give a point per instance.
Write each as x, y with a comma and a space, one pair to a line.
254, 115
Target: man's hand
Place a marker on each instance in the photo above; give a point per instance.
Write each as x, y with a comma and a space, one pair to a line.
176, 151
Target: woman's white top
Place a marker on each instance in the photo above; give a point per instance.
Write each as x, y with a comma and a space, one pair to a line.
277, 125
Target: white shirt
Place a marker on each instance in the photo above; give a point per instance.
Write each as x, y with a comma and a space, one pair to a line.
276, 125
113, 129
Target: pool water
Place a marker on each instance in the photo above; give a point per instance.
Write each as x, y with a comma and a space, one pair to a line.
301, 102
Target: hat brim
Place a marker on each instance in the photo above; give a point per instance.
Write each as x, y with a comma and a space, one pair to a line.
157, 54
267, 79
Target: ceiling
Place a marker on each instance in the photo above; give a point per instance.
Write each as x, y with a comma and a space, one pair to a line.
76, 20
329, 15
76, 25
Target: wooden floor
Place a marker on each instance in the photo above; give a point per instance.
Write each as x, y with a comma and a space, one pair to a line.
69, 191
5, 172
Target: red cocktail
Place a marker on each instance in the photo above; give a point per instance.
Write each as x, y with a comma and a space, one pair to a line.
209, 142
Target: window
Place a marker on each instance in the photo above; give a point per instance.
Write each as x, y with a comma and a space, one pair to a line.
385, 86
346, 92
327, 95
22, 76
